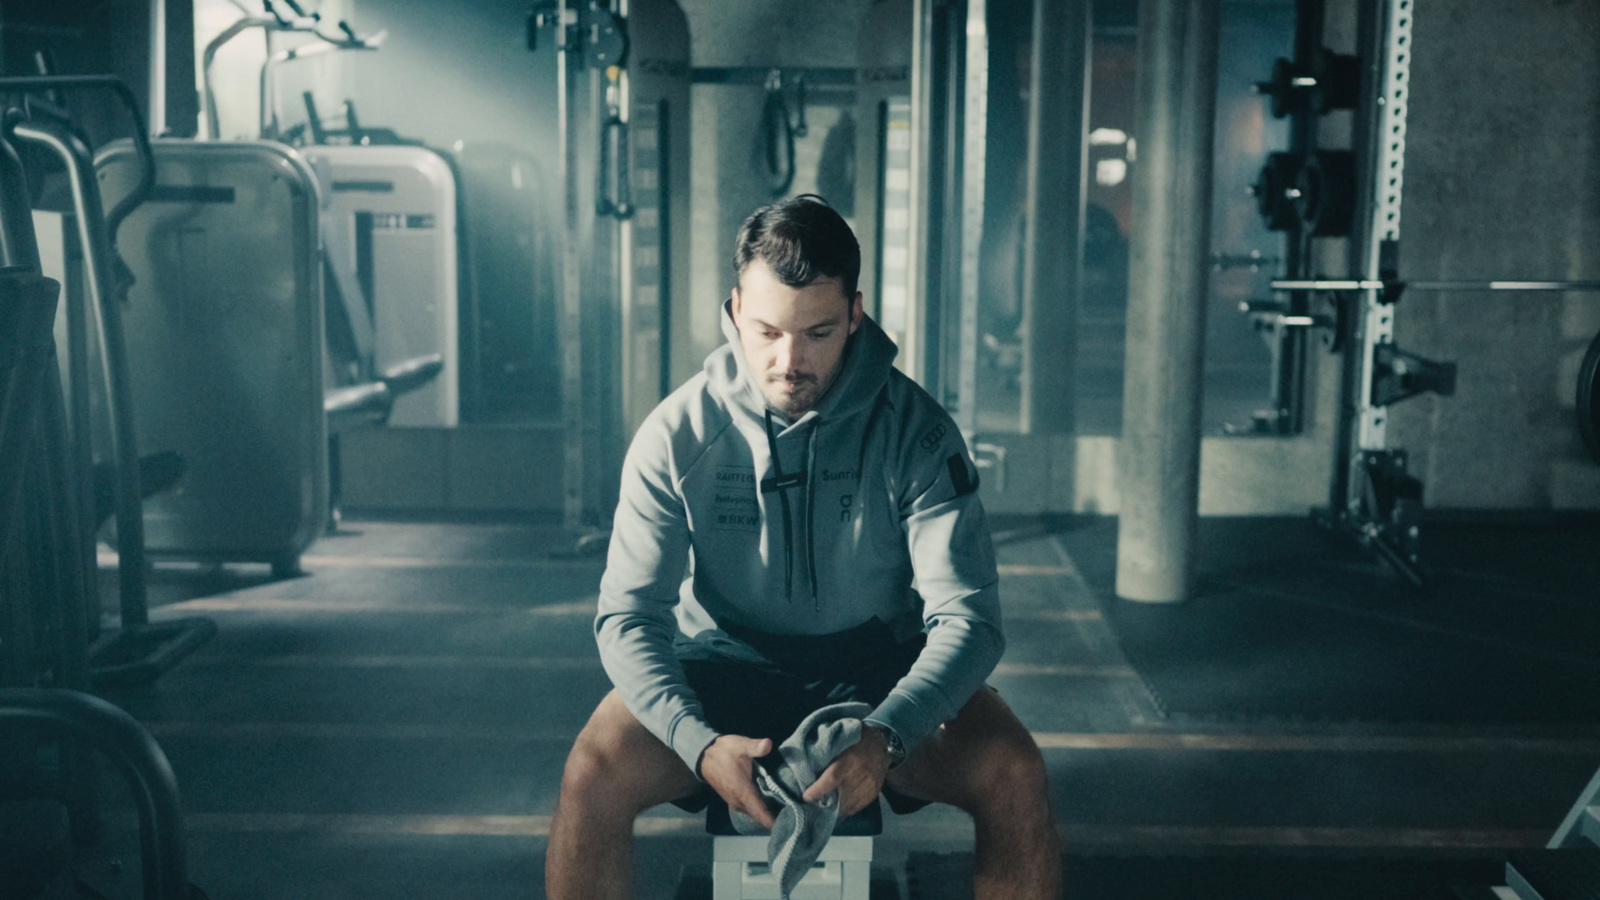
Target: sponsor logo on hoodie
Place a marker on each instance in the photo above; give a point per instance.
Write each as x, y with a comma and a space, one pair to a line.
733, 501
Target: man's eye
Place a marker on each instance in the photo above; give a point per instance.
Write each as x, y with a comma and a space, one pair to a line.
820, 335
770, 335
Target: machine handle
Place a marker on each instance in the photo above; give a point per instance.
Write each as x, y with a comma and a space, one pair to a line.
136, 754
141, 137
616, 182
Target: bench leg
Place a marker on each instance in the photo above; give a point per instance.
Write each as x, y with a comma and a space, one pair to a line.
727, 881
856, 879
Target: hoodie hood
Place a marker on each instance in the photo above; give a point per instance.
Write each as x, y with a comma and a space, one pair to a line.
868, 357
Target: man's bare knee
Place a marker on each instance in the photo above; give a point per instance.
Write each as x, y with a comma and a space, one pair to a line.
617, 767
1015, 773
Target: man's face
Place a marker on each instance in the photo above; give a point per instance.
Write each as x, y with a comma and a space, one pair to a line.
793, 337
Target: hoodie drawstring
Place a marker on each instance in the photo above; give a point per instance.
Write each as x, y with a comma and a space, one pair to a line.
781, 483
811, 549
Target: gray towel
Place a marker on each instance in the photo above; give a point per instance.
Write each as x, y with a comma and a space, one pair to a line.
802, 829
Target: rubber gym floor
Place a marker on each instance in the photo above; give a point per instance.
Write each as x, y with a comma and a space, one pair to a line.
393, 722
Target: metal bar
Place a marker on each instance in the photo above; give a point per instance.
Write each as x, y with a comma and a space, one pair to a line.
131, 748
141, 137
974, 150
1053, 221
1388, 181
98, 278
1288, 392
917, 168
1462, 286
568, 94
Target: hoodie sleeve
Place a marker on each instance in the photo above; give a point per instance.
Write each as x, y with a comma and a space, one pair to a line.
952, 558
635, 625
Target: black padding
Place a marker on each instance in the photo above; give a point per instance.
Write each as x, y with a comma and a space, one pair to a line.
964, 482
865, 823
1588, 406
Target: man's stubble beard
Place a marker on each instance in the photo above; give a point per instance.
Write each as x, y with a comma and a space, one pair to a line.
797, 404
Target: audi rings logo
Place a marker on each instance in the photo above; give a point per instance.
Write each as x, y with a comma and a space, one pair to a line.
932, 438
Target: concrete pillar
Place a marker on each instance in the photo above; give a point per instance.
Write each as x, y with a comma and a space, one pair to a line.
1052, 244
1159, 454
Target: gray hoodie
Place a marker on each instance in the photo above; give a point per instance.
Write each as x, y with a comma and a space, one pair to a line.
870, 510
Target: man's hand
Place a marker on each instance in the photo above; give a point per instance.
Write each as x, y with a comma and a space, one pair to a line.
857, 773
728, 766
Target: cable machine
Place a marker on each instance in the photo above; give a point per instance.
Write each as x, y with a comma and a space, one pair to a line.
623, 81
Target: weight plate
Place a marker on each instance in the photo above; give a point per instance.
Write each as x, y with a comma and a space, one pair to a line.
1589, 398
1271, 191
1338, 81
1327, 193
1286, 99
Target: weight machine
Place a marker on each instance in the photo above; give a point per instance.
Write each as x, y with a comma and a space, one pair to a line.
623, 81
138, 650
1356, 194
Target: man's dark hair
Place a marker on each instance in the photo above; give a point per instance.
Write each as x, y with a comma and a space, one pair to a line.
800, 239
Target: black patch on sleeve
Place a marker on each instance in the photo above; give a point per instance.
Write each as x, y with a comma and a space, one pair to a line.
963, 482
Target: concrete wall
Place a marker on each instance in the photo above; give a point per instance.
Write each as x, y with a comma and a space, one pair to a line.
1502, 181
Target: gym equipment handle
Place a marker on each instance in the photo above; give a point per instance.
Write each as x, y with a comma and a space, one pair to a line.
141, 137
136, 754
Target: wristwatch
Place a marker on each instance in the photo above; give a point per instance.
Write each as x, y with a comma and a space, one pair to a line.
897, 750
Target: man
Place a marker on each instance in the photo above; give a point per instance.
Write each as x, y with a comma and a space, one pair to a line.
798, 526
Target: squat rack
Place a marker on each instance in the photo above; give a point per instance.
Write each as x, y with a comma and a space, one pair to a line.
1372, 498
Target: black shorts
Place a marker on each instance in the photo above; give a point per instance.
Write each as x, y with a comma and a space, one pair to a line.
763, 685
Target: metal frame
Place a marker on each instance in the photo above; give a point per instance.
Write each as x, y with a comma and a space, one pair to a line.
615, 321
974, 155
136, 755
1388, 182
1581, 827
570, 73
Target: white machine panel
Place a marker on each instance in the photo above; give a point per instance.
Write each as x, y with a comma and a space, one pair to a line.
392, 218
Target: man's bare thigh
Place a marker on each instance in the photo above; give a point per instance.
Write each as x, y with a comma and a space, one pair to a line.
633, 759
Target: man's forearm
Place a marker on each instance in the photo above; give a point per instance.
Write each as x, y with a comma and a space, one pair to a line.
636, 652
959, 655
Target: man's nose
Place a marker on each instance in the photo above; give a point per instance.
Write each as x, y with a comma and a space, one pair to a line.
786, 354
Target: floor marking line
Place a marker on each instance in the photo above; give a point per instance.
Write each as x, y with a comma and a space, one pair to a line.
1299, 837
1048, 571
376, 661
244, 603
1054, 615
358, 731
1064, 671
1319, 743
339, 561
426, 562
1047, 741
567, 664
1073, 835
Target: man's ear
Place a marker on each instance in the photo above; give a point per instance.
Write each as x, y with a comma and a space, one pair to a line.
735, 305
855, 313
